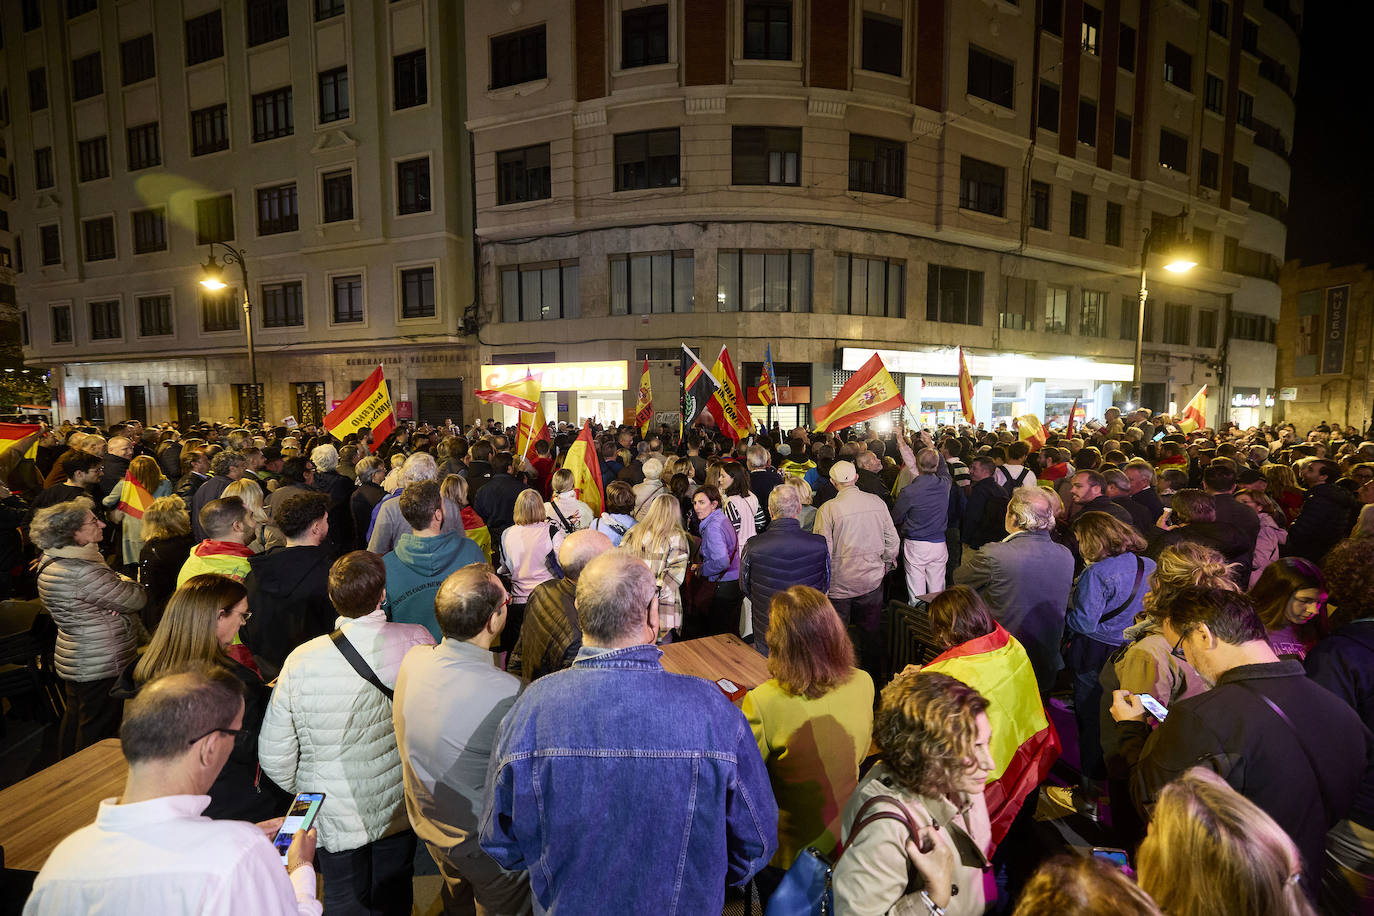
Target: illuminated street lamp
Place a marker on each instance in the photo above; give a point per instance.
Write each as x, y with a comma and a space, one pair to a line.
1179, 258
212, 278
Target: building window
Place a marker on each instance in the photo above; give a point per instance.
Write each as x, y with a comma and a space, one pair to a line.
1039, 205
763, 281
647, 159
766, 155
1178, 67
1121, 136
144, 149
154, 316
1249, 36
1247, 326
1202, 244
1173, 151
1130, 314
1240, 181
50, 244
644, 284
644, 37
272, 116
78, 7
768, 29
954, 295
204, 38
1047, 114
1245, 109
991, 77
267, 21
1214, 93
42, 168
333, 95
1052, 16
412, 186
100, 238
219, 311
523, 175
209, 130
537, 292
1176, 321
105, 320
150, 230
1057, 310
1016, 310
1209, 170
215, 219
1126, 56
328, 9
337, 188
1113, 236
1206, 328
1092, 29
87, 80
882, 44
1219, 18
33, 15
38, 89
281, 305
518, 58
876, 165
982, 186
1078, 215
347, 297
61, 324
409, 84
417, 292
93, 159
24, 329
1092, 309
277, 209
870, 286
137, 60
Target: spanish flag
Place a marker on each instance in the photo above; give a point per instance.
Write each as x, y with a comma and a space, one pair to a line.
16, 439
134, 500
1076, 416
368, 405
727, 406
1024, 742
522, 394
585, 465
1031, 431
644, 408
965, 389
768, 382
869, 392
1195, 414
533, 427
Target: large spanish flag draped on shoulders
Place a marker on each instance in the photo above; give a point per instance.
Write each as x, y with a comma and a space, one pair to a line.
15, 440
869, 392
585, 465
368, 405
1024, 742
727, 405
133, 499
1194, 416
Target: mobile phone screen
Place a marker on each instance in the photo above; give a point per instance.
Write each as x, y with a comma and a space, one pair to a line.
1153, 706
301, 816
1117, 857
1159, 436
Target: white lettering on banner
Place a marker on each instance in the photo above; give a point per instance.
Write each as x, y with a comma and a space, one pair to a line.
612, 375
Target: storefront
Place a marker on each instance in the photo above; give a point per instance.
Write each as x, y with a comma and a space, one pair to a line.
1249, 406
572, 391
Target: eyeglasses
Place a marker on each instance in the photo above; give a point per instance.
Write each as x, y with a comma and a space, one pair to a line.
240, 735
90, 521
1177, 650
247, 615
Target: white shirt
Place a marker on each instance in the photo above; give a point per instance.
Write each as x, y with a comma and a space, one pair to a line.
1009, 472
161, 856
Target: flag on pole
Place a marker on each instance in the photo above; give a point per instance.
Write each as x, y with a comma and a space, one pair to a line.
644, 409
698, 384
1073, 416
965, 389
727, 406
1194, 416
368, 405
768, 382
1031, 432
533, 427
869, 392
522, 394
16, 441
585, 466
134, 500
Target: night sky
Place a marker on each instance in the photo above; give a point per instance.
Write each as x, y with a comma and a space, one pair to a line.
1331, 201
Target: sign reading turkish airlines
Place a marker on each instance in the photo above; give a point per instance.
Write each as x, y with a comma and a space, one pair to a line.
612, 375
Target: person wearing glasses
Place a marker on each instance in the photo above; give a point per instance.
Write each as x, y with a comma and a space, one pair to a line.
1290, 596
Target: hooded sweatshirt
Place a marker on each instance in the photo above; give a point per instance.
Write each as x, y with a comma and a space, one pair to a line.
288, 593
417, 567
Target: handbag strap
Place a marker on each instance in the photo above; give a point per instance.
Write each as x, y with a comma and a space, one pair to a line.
568, 526
1135, 590
350, 653
862, 818
1297, 739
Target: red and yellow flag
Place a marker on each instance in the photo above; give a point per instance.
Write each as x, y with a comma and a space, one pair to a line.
1194, 416
727, 405
368, 405
869, 392
522, 394
533, 427
1031, 431
16, 439
644, 408
134, 500
585, 465
965, 389
768, 381
1076, 416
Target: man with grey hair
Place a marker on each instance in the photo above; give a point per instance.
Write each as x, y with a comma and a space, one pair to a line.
1025, 578
339, 489
1141, 475
550, 636
118, 453
388, 524
617, 721
225, 468
780, 556
650, 486
762, 477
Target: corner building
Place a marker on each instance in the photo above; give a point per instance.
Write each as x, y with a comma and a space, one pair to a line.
908, 176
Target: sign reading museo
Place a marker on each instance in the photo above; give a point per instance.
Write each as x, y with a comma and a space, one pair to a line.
1335, 327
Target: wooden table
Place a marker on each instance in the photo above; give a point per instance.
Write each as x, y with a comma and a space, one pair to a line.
715, 657
39, 812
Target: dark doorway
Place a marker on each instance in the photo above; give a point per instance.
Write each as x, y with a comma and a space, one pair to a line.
136, 403
248, 407
185, 402
310, 406
1154, 395
93, 405
439, 399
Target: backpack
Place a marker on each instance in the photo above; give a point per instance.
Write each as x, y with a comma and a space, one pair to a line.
1011, 486
992, 524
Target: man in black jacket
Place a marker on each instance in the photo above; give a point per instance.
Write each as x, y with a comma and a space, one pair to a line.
1090, 495
779, 557
986, 510
1328, 511
225, 468
1219, 480
496, 500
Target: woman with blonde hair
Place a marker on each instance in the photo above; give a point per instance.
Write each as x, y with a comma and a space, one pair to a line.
1078, 885
807, 516
565, 512
659, 539
265, 534
454, 489
146, 471
526, 547
166, 545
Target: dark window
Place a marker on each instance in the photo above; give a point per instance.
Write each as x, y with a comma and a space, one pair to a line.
1206, 328
1249, 36
1173, 151
281, 305
1202, 244
219, 311
1092, 29
334, 95
417, 292
209, 130
408, 72
644, 37
267, 21
763, 281
215, 220
1078, 215
337, 188
204, 38
328, 9
150, 230
650, 283
648, 159
1126, 58
277, 209
1219, 18
991, 78
1047, 117
1214, 93
347, 292
1113, 237
518, 58
1087, 122
1039, 205
1245, 109
61, 324
982, 186
523, 174
38, 89
144, 149
1121, 139
766, 155
768, 29
1052, 16
1240, 181
105, 320
1177, 319
33, 15
77, 7
87, 80
882, 44
870, 286
412, 186
1130, 316
100, 238
24, 339
1209, 170
137, 61
1247, 326
1092, 313
954, 296
876, 165
272, 115
42, 168
93, 159
50, 242
1178, 67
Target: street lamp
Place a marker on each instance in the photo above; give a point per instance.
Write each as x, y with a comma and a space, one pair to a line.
212, 278
1178, 259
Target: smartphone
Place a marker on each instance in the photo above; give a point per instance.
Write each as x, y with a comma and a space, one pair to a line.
730, 688
1153, 706
301, 816
1118, 857
1168, 517
1159, 436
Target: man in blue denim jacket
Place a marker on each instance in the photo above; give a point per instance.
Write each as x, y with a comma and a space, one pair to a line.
619, 786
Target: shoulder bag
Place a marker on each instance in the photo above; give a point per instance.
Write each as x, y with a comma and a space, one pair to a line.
349, 652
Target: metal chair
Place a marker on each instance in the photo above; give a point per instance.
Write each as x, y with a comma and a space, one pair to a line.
909, 637
28, 638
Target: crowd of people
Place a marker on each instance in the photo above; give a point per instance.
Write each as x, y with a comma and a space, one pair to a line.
443, 637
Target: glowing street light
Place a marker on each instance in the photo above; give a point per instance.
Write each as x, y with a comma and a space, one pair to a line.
212, 278
1178, 259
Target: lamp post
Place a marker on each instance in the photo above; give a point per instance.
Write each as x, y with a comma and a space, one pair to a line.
212, 278
1178, 261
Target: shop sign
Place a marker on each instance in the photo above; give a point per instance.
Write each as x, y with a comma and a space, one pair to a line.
612, 375
795, 394
1333, 339
1288, 394
1246, 399
405, 410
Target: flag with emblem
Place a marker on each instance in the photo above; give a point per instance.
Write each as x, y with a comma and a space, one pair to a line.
768, 381
965, 389
698, 384
1031, 431
868, 393
644, 408
727, 406
1194, 416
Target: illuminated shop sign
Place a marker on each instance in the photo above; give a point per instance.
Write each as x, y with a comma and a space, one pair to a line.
606, 376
